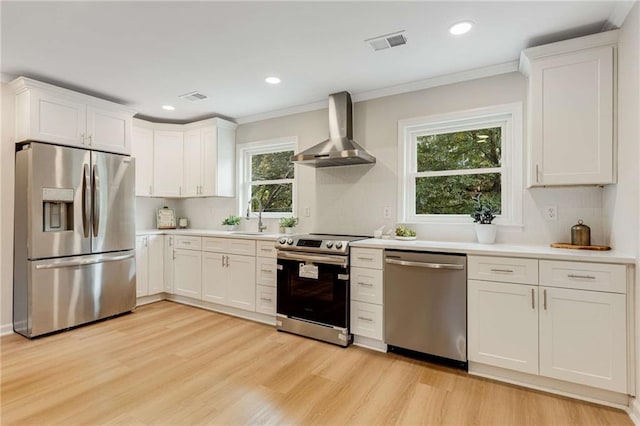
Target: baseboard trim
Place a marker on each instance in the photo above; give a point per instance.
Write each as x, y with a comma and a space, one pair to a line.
558, 387
633, 410
253, 316
145, 300
369, 343
6, 329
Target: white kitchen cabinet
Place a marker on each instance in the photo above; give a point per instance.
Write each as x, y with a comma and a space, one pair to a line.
187, 273
167, 163
583, 337
503, 325
48, 113
192, 178
241, 282
214, 278
366, 300
265, 300
266, 271
367, 320
169, 242
571, 111
142, 266
218, 159
142, 151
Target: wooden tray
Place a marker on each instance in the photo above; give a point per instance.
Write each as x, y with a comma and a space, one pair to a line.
578, 247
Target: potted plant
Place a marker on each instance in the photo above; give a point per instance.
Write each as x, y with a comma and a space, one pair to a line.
482, 216
231, 222
288, 223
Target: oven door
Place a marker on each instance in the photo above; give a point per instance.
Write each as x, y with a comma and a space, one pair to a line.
313, 287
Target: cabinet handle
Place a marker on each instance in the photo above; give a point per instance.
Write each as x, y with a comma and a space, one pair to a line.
583, 277
365, 284
544, 293
364, 258
226, 261
146, 241
365, 319
170, 241
265, 299
269, 271
174, 255
537, 174
180, 190
267, 249
508, 271
90, 139
533, 300
83, 138
186, 242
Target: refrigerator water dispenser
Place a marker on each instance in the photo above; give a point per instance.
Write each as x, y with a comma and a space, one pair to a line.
58, 209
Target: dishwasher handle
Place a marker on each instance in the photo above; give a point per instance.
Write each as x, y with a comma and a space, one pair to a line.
425, 264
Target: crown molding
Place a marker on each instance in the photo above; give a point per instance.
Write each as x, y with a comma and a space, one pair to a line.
618, 15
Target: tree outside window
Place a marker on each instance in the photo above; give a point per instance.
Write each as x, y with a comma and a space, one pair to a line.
271, 182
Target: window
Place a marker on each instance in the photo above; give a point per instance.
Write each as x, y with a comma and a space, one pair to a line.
445, 160
267, 175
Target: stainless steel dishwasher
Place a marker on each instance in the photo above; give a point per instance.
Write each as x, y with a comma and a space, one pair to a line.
425, 303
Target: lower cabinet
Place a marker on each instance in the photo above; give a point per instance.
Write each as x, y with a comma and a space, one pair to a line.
169, 243
266, 299
229, 279
149, 255
187, 273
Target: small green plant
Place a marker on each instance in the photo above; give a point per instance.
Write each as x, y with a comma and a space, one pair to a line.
288, 222
403, 231
231, 221
484, 213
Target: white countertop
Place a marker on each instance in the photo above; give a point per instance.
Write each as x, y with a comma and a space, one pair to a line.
513, 250
249, 235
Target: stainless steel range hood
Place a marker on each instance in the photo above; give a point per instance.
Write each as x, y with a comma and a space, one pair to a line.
340, 149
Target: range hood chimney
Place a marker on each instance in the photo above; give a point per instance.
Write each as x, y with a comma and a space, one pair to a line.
340, 149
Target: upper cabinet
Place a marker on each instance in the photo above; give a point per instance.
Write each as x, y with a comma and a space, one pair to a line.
571, 102
191, 160
47, 113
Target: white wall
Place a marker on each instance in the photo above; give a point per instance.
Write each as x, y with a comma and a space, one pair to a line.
6, 207
351, 199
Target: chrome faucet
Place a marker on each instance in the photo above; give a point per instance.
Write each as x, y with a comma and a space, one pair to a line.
261, 226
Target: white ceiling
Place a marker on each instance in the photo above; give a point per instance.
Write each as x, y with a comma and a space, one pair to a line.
146, 54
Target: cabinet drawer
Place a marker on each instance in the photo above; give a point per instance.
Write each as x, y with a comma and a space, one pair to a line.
366, 320
503, 269
266, 249
366, 285
266, 271
266, 300
584, 276
243, 247
188, 243
219, 245
366, 258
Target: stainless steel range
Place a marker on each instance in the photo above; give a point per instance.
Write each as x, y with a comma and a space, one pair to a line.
313, 286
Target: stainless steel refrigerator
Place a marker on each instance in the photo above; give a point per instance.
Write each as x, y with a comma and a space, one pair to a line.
74, 258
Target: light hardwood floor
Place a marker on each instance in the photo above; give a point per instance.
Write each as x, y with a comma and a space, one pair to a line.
173, 364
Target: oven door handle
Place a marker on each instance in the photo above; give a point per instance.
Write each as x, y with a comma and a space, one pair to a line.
330, 260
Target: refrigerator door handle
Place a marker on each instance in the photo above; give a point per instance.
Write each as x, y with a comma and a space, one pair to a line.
72, 263
96, 200
86, 196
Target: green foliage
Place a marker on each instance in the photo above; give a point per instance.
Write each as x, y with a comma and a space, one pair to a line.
403, 231
484, 213
231, 220
472, 149
275, 197
288, 222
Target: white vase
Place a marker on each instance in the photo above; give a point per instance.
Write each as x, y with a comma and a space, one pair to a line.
486, 233
288, 230
231, 227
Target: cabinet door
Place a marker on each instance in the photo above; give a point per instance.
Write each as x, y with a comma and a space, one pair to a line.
187, 273
503, 325
210, 161
265, 300
142, 151
214, 278
109, 130
571, 103
156, 263
192, 163
266, 271
583, 337
168, 263
241, 287
167, 163
142, 266
56, 119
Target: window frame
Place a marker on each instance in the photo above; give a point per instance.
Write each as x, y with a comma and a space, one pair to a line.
506, 116
244, 152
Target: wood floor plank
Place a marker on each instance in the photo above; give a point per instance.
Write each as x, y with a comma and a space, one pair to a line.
170, 364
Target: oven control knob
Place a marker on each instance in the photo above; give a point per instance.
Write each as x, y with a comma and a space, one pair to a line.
282, 240
290, 241
329, 244
338, 245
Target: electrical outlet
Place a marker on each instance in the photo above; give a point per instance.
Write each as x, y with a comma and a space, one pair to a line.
551, 213
307, 212
386, 212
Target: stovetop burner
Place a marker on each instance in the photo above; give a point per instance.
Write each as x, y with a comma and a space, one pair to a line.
318, 243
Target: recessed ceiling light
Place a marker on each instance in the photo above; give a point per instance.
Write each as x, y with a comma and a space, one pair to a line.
272, 80
461, 28
168, 107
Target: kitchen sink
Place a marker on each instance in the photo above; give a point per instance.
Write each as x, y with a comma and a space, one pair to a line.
248, 233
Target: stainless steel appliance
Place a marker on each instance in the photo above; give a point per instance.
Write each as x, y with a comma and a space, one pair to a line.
340, 149
74, 237
425, 303
313, 286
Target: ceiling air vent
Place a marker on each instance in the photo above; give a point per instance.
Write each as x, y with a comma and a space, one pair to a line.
194, 97
387, 41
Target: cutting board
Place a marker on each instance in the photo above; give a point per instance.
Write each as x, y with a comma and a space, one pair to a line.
578, 247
